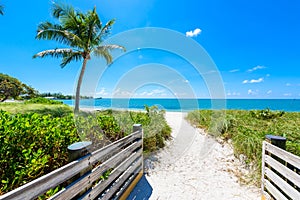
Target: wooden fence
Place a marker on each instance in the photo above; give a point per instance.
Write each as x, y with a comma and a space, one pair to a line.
84, 177
280, 173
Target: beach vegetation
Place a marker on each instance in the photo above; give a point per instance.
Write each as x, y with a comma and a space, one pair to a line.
82, 32
247, 129
42, 100
23, 107
32, 145
61, 96
156, 130
11, 87
34, 142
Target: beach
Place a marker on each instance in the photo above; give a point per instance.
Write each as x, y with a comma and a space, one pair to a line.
194, 166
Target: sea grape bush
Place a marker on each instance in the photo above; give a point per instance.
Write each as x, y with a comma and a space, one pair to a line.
156, 130
266, 114
34, 144
42, 100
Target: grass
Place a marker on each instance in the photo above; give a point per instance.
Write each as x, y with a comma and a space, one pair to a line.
247, 130
22, 107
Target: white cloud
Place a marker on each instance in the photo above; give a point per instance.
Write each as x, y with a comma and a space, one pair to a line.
254, 81
121, 93
269, 92
102, 92
234, 70
287, 94
256, 68
233, 93
193, 33
257, 81
252, 92
152, 93
288, 84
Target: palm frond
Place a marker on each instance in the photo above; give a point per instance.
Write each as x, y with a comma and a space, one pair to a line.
105, 54
1, 10
49, 31
93, 18
69, 18
104, 51
106, 29
67, 55
61, 10
75, 56
112, 47
57, 53
92, 27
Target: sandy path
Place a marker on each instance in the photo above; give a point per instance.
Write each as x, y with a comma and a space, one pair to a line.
194, 166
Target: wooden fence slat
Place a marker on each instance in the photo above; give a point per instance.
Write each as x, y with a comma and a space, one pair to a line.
287, 156
286, 172
39, 186
123, 191
101, 186
89, 178
102, 153
131, 185
284, 186
274, 191
121, 179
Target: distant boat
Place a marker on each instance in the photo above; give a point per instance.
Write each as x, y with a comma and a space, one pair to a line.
98, 98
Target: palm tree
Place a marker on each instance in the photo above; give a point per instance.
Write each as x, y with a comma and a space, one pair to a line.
82, 32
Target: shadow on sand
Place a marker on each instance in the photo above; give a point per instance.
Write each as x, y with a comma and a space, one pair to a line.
142, 190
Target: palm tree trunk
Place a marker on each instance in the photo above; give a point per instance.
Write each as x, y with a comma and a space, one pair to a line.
77, 96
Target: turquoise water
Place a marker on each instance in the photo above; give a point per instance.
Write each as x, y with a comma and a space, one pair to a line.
289, 105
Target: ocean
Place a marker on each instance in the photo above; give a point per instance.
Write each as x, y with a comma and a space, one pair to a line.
185, 105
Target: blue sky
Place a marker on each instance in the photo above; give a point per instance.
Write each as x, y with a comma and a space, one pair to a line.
255, 46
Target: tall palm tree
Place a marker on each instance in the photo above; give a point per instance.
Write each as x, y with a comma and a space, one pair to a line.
82, 32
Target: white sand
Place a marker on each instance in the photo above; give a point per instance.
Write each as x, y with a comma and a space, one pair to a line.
195, 166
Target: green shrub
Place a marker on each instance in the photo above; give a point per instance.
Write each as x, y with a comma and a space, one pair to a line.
156, 130
42, 100
32, 145
266, 114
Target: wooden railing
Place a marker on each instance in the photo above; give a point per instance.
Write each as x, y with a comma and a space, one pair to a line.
84, 177
280, 173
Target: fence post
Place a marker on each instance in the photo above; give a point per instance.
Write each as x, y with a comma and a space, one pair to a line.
137, 127
78, 150
277, 141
